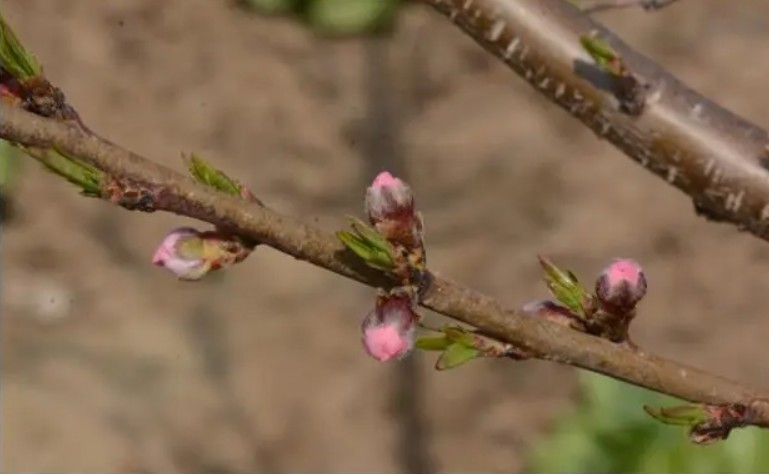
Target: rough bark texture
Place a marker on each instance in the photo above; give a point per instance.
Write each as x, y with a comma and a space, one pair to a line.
706, 151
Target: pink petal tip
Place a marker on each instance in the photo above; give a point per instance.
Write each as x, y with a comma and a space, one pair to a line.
624, 270
385, 179
385, 343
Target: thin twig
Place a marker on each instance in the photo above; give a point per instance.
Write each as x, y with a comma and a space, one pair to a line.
543, 339
592, 6
706, 151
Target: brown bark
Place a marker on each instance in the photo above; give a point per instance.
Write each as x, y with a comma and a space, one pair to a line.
714, 156
546, 340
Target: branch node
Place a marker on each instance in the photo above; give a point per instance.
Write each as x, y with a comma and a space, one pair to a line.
629, 89
709, 423
130, 195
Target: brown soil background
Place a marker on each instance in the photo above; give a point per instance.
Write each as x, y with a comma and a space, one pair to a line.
111, 365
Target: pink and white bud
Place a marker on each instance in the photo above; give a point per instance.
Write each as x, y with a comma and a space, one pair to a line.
388, 198
621, 286
182, 252
388, 332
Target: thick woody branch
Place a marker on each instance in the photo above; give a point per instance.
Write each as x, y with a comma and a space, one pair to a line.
709, 153
178, 194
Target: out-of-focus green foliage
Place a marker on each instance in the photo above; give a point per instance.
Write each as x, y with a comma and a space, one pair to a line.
9, 164
334, 17
272, 6
610, 432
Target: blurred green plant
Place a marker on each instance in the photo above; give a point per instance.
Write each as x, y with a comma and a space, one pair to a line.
610, 432
10, 165
334, 17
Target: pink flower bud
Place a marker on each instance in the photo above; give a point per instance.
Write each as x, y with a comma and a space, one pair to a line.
182, 252
621, 286
388, 198
389, 330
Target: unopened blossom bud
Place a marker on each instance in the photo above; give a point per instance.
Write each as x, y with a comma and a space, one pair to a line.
388, 198
182, 252
388, 331
621, 286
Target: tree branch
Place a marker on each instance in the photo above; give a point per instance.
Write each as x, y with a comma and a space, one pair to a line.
716, 157
178, 194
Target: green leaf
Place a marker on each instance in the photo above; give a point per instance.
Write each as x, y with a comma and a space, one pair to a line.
370, 234
210, 176
460, 335
455, 355
348, 17
603, 54
13, 57
373, 256
84, 176
439, 343
684, 415
368, 244
379, 259
355, 243
564, 286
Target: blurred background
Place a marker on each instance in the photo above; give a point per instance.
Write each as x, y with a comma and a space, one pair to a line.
111, 365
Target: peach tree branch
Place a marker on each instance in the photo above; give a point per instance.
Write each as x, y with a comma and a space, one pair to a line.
711, 154
167, 190
584, 330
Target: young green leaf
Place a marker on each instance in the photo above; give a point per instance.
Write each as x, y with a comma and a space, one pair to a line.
13, 57
459, 335
455, 355
370, 234
603, 54
86, 177
204, 173
374, 256
354, 242
564, 286
684, 415
435, 343
368, 244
